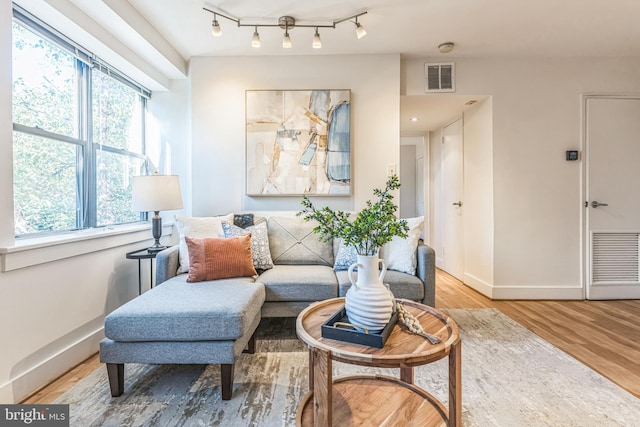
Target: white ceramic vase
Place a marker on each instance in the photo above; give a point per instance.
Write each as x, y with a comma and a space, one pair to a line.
369, 303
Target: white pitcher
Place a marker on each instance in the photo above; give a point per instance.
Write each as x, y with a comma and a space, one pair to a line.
369, 303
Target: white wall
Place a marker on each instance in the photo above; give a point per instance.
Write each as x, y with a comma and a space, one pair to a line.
218, 88
169, 136
537, 194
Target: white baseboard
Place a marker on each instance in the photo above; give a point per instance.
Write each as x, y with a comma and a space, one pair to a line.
547, 292
17, 389
550, 292
481, 286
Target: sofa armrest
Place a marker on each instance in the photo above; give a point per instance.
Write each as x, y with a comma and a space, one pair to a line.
426, 271
167, 262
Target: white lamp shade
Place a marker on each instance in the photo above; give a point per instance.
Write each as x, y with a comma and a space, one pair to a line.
156, 193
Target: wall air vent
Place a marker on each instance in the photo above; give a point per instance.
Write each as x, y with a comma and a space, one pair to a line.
440, 77
615, 257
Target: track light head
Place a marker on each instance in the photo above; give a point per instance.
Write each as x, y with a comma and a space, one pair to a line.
360, 31
215, 27
286, 41
317, 43
255, 40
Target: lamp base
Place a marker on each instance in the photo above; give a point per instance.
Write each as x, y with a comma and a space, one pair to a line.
155, 249
156, 229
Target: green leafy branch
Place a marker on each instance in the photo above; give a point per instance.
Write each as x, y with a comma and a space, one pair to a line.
371, 228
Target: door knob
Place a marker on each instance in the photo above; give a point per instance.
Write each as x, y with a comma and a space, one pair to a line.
458, 204
595, 204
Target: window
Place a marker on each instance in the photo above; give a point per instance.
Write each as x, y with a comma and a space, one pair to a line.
78, 134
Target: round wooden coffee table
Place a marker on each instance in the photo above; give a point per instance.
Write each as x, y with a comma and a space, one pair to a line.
371, 399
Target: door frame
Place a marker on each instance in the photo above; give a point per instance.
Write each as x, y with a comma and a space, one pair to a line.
585, 255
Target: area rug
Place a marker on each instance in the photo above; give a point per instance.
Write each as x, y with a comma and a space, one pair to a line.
510, 377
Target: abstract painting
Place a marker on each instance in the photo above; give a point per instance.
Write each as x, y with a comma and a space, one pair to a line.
298, 142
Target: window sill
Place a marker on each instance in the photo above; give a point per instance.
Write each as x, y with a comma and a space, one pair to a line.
39, 250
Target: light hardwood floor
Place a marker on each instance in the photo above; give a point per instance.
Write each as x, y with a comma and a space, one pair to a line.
604, 335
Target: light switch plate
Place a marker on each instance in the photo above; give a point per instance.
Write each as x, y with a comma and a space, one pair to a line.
391, 169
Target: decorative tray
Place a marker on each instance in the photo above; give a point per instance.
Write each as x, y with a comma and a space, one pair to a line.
339, 328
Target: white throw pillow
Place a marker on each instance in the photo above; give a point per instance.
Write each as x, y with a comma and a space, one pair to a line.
200, 227
399, 253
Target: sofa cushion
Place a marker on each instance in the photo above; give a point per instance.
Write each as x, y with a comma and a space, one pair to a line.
299, 283
259, 242
180, 311
219, 258
197, 227
402, 285
293, 242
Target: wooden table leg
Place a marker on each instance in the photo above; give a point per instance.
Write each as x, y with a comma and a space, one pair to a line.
406, 375
322, 388
455, 384
310, 369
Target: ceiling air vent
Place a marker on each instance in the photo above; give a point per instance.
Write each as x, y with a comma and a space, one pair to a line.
440, 77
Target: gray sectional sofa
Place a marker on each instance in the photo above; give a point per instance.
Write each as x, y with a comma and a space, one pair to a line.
212, 322
303, 270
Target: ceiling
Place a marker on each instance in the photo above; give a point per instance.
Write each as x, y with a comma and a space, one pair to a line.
412, 28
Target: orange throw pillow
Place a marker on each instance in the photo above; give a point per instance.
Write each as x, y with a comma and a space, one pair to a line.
219, 258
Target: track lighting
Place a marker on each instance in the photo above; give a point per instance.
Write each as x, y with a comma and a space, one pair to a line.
360, 31
317, 43
215, 27
255, 40
286, 23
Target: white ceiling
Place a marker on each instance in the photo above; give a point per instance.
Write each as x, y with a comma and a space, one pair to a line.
480, 28
413, 28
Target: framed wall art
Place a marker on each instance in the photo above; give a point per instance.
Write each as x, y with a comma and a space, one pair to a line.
298, 142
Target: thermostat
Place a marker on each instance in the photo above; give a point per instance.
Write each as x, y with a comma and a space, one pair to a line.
572, 155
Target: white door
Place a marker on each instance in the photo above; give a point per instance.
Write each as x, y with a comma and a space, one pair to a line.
452, 200
612, 197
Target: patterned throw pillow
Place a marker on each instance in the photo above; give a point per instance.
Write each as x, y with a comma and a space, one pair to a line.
259, 242
346, 256
200, 227
219, 258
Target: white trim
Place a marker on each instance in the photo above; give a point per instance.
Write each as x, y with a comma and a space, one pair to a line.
479, 285
546, 292
24, 384
30, 252
550, 292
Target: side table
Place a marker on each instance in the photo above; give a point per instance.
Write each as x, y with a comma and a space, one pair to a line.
374, 399
141, 254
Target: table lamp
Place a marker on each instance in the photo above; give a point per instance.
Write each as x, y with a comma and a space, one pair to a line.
156, 193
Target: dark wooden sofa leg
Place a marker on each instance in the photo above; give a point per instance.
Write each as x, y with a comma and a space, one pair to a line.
226, 372
251, 345
115, 371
